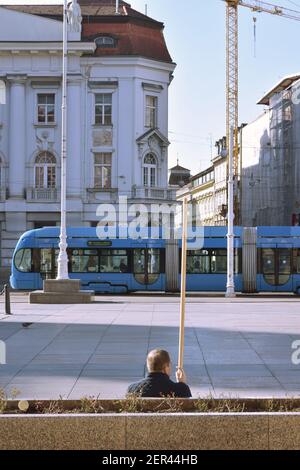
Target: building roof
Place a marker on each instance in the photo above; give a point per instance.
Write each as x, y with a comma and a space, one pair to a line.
281, 86
135, 33
202, 173
90, 8
179, 176
180, 169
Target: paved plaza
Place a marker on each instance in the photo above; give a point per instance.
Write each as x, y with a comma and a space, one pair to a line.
240, 347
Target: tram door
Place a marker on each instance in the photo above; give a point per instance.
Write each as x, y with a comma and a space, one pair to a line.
146, 266
276, 269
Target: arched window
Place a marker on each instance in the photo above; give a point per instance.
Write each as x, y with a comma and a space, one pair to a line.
45, 171
150, 170
105, 41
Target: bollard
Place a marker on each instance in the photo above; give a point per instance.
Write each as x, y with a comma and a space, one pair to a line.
7, 299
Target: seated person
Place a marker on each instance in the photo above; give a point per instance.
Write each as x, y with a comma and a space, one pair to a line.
123, 266
158, 383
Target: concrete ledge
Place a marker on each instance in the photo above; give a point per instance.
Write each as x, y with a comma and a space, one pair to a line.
62, 432
284, 431
41, 297
197, 432
153, 431
64, 285
61, 291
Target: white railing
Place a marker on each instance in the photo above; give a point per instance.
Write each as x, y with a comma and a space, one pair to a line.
101, 195
42, 194
145, 192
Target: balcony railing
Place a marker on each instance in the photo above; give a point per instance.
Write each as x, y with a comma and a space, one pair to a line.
145, 192
101, 195
42, 194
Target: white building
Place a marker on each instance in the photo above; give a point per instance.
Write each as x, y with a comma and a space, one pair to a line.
119, 72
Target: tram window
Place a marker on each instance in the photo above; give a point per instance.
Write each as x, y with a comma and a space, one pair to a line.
268, 261
84, 261
23, 260
139, 261
219, 261
284, 266
297, 261
237, 261
198, 262
153, 261
284, 261
35, 261
46, 260
56, 253
114, 261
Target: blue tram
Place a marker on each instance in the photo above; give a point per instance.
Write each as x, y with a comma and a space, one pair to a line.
267, 259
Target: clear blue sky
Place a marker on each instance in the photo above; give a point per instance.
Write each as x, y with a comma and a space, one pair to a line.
195, 34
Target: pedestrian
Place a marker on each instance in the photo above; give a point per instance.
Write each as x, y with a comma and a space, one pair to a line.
158, 384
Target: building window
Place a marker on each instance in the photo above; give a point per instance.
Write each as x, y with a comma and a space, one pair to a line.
102, 170
151, 111
46, 108
150, 170
103, 108
105, 41
45, 171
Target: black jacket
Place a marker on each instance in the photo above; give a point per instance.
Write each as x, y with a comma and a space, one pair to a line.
157, 385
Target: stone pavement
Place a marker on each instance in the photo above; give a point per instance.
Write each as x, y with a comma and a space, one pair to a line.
239, 347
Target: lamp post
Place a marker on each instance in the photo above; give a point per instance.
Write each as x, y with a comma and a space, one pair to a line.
62, 262
230, 291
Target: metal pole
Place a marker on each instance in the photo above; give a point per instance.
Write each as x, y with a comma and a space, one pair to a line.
62, 262
183, 282
7, 300
117, 7
230, 292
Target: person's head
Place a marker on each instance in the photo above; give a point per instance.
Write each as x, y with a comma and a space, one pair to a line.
159, 360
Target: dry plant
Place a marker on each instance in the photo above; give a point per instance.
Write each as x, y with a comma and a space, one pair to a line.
4, 398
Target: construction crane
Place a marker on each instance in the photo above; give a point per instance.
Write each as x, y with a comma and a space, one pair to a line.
232, 109
232, 72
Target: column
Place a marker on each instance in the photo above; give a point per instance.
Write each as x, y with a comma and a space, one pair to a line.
17, 137
74, 138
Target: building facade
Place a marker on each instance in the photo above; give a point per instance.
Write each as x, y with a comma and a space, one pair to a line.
208, 190
270, 182
119, 72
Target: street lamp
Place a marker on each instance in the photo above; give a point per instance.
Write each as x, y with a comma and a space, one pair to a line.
230, 291
62, 262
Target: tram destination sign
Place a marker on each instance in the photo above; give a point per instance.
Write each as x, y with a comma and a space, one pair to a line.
97, 243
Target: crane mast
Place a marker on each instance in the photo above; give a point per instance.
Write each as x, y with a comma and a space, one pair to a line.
232, 78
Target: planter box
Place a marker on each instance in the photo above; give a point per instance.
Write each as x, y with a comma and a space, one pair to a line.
150, 431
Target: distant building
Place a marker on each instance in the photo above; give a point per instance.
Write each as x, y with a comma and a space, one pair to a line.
119, 72
179, 176
270, 159
208, 189
201, 193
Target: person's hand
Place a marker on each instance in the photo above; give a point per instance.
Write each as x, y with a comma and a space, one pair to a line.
180, 375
